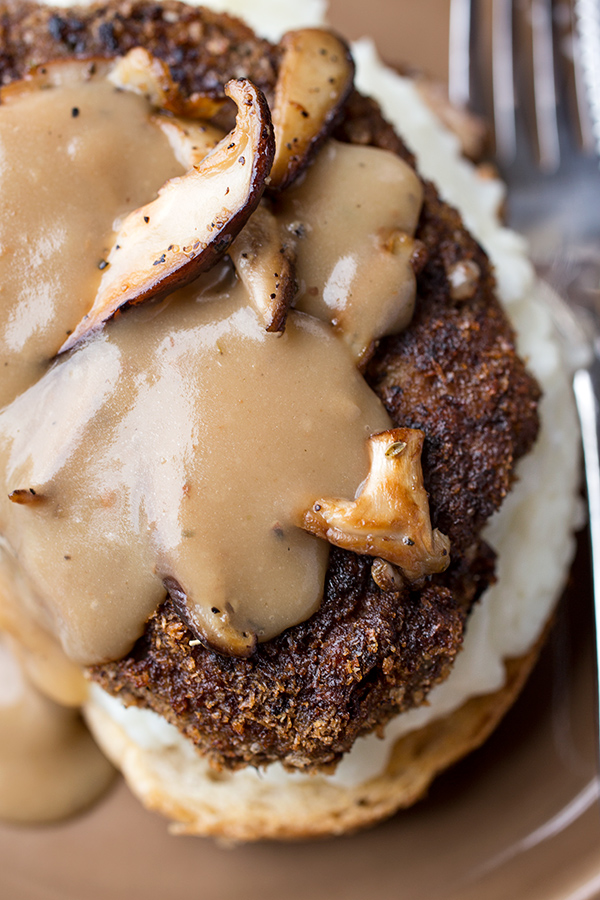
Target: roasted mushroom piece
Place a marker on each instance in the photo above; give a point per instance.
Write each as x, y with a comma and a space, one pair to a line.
25, 496
144, 74
58, 73
264, 263
228, 640
190, 225
315, 79
190, 141
390, 516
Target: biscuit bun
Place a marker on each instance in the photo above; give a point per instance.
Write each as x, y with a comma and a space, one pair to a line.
532, 535
175, 781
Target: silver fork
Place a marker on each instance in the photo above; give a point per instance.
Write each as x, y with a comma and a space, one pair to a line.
532, 68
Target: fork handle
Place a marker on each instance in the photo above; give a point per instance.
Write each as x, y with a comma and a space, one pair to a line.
586, 385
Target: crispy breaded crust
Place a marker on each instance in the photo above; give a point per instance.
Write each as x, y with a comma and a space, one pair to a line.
200, 801
203, 49
304, 697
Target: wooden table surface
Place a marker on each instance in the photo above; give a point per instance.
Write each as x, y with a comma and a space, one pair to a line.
414, 32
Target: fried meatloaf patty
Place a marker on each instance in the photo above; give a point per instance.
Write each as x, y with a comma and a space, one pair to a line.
369, 652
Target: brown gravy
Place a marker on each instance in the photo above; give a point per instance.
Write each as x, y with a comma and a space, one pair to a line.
50, 766
183, 444
72, 161
352, 219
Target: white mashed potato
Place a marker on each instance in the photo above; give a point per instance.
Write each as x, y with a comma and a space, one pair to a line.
533, 554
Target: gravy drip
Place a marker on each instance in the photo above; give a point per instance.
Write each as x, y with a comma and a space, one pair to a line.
181, 444
50, 766
72, 161
147, 451
40, 654
352, 219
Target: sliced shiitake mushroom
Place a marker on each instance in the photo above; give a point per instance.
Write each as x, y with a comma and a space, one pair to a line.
213, 629
386, 576
265, 266
187, 229
390, 516
59, 73
314, 81
144, 74
190, 141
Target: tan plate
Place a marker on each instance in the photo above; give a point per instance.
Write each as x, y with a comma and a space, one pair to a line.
517, 819
415, 34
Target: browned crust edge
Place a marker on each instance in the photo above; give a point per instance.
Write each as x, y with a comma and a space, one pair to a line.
311, 808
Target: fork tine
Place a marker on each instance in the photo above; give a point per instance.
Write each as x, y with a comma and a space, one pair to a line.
572, 81
503, 84
459, 60
527, 56
581, 99
544, 88
587, 15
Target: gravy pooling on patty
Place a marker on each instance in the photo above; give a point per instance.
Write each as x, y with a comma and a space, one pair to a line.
180, 445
